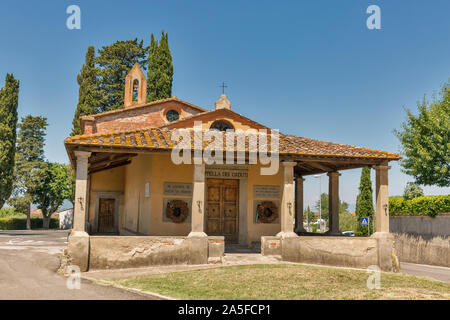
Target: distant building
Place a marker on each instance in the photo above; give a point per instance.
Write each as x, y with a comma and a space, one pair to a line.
37, 213
66, 219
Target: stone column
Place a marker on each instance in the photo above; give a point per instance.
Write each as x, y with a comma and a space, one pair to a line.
333, 203
198, 202
385, 239
287, 201
382, 199
197, 238
299, 205
81, 189
78, 246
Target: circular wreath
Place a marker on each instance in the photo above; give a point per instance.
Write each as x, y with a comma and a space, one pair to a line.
177, 210
267, 212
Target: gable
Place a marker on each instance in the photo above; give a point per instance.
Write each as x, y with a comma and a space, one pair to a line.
153, 114
208, 118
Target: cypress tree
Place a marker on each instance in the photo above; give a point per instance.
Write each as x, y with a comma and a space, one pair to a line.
87, 93
166, 65
364, 201
9, 100
160, 69
152, 70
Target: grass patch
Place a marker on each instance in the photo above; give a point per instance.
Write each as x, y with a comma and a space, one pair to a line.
285, 282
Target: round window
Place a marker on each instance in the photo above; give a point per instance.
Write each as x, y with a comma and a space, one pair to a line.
172, 115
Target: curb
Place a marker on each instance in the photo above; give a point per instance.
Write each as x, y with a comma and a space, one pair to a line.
155, 296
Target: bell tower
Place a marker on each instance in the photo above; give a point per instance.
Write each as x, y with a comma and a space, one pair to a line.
135, 87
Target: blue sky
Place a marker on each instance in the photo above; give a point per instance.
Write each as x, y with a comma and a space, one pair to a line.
310, 68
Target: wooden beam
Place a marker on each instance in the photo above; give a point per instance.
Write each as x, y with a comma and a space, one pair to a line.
110, 159
116, 165
331, 160
319, 166
317, 171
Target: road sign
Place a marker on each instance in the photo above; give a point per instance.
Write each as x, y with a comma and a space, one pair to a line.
364, 221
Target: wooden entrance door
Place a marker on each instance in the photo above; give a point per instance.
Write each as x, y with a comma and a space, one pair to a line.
222, 209
106, 213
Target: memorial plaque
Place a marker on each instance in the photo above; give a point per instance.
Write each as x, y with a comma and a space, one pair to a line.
177, 189
270, 192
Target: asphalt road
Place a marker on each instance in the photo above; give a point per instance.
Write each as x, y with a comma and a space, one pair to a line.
28, 264
435, 272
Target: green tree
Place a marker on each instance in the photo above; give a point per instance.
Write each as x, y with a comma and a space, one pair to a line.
30, 165
425, 141
160, 69
71, 174
347, 222
364, 200
308, 215
412, 191
343, 207
88, 93
56, 188
323, 205
113, 63
153, 69
9, 101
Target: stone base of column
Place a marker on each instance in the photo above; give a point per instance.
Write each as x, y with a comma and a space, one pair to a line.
386, 252
198, 249
284, 235
382, 235
193, 234
78, 249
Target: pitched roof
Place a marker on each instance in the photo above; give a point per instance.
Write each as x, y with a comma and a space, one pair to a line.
215, 115
173, 98
165, 139
324, 148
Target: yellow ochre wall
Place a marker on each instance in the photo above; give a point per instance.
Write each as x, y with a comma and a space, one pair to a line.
144, 215
106, 181
157, 169
256, 230
164, 170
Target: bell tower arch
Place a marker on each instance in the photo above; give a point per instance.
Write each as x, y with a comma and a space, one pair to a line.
135, 87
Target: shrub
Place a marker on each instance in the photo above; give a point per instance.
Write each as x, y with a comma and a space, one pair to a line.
8, 212
397, 205
420, 206
17, 223
412, 191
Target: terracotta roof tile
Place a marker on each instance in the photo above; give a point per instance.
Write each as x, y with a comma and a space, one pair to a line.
163, 138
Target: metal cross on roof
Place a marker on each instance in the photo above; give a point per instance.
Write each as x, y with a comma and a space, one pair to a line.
223, 86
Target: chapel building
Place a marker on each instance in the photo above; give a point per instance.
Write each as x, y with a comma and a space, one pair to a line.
128, 184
